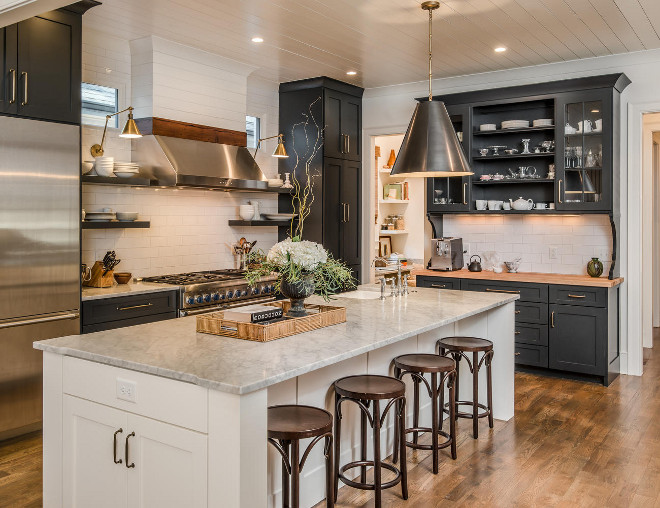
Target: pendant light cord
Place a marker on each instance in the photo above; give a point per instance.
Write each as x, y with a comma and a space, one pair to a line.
430, 53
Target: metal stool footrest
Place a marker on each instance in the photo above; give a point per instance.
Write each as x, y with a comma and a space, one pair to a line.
418, 446
463, 414
369, 486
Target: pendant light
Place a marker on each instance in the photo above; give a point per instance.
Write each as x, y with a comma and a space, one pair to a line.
430, 147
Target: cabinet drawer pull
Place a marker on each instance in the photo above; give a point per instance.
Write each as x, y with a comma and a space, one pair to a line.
576, 296
465, 193
559, 191
13, 86
114, 446
517, 354
516, 333
552, 319
348, 143
503, 291
517, 312
439, 286
135, 306
132, 464
25, 88
348, 212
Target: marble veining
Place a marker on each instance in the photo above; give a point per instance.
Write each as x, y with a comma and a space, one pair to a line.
133, 288
174, 349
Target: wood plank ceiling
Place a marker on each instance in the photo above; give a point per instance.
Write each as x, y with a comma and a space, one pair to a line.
385, 41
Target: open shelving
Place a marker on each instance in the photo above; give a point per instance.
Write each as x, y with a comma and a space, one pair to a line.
137, 224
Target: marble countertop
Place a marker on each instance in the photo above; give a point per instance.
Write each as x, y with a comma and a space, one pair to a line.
174, 349
132, 288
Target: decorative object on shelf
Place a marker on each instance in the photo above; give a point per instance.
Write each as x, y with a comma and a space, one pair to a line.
496, 149
246, 212
599, 125
105, 215
515, 124
399, 223
474, 266
585, 127
498, 176
569, 129
540, 206
590, 160
391, 160
521, 204
287, 181
542, 122
481, 204
430, 146
483, 152
525, 143
275, 182
86, 167
548, 146
127, 216
487, 127
494, 204
255, 205
595, 267
123, 277
129, 131
384, 246
512, 266
511, 151
551, 172
280, 151
393, 191
506, 206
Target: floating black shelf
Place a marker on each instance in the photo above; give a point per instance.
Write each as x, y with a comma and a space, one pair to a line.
138, 224
512, 131
134, 181
583, 134
513, 181
516, 156
259, 223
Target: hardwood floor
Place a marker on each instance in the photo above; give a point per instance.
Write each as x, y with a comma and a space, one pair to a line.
570, 444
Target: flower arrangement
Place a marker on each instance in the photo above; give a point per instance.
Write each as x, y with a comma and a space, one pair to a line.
304, 267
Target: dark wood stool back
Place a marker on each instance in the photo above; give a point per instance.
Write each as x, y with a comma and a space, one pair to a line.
366, 390
287, 425
457, 347
416, 365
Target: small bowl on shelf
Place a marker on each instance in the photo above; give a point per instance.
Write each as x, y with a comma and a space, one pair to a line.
123, 277
127, 216
275, 182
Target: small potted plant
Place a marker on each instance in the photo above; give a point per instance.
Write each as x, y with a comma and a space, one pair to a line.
304, 268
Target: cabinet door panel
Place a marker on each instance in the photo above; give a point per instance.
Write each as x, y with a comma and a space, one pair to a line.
9, 79
90, 475
351, 128
535, 356
350, 212
332, 139
332, 209
49, 67
578, 339
170, 465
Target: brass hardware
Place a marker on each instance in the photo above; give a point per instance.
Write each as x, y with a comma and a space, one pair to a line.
517, 312
135, 306
130, 131
559, 191
280, 151
348, 143
24, 75
517, 354
132, 464
503, 291
464, 193
34, 321
552, 319
516, 333
430, 6
343, 212
576, 296
13, 86
348, 212
114, 446
439, 286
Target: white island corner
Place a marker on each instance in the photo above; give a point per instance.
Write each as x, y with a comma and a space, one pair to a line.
188, 410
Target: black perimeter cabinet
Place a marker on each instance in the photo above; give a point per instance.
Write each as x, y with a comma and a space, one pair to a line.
335, 220
41, 65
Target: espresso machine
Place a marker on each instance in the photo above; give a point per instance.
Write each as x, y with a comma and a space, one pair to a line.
446, 254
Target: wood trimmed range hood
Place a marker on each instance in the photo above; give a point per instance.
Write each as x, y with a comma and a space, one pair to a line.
180, 154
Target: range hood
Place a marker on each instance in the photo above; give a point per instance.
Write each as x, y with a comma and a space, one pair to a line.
177, 162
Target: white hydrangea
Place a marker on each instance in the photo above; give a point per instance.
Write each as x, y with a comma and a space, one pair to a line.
307, 255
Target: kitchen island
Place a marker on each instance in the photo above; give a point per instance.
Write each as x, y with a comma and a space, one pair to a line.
160, 415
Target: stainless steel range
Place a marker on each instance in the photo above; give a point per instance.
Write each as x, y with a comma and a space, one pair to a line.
216, 290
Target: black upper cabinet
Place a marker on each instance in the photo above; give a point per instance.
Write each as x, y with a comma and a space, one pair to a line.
336, 213
41, 64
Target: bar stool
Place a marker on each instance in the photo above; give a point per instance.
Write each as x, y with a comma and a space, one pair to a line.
287, 425
365, 390
458, 347
416, 365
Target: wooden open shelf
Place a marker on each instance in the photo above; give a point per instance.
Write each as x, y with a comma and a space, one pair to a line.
115, 224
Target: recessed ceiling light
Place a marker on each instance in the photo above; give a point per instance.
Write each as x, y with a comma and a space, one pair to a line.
351, 73
500, 49
257, 39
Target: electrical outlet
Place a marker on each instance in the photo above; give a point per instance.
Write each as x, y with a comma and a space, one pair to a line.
553, 252
467, 249
126, 390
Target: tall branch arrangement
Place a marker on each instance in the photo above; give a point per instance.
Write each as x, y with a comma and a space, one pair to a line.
303, 195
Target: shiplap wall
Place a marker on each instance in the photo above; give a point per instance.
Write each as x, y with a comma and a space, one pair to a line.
189, 228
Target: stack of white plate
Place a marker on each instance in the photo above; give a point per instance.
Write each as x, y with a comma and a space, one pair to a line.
515, 124
100, 216
542, 122
105, 166
126, 169
487, 127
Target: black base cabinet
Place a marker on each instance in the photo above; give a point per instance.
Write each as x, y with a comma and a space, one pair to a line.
569, 329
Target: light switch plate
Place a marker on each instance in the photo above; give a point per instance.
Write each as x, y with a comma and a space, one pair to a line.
553, 252
126, 390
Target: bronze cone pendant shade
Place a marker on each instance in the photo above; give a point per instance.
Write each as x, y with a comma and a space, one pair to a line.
430, 147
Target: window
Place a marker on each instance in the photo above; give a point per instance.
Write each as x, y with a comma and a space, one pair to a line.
252, 129
97, 102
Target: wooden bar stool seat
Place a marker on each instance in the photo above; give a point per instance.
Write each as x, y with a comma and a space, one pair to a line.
457, 347
366, 390
416, 365
287, 425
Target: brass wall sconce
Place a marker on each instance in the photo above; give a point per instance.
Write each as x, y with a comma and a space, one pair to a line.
280, 151
129, 131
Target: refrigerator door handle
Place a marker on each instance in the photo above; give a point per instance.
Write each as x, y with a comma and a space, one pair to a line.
34, 321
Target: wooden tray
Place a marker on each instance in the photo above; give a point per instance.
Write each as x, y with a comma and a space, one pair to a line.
321, 316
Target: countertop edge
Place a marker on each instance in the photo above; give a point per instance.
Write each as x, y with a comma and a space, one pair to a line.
124, 290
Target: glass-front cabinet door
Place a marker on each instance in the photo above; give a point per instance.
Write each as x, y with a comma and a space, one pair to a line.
452, 194
584, 151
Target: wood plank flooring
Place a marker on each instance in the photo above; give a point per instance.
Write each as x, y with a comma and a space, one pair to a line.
570, 444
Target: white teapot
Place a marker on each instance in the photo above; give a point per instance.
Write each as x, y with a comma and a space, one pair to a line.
521, 204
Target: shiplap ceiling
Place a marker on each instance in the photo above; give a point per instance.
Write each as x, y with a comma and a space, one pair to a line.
385, 41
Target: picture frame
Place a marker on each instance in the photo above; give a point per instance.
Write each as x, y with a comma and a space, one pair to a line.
384, 246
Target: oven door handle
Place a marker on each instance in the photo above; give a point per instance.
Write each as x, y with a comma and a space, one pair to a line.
204, 310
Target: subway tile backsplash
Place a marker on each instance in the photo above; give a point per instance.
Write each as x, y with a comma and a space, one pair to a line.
576, 239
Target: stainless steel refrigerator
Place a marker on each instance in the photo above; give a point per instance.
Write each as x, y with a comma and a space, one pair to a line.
39, 258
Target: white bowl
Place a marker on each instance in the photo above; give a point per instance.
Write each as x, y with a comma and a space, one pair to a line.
127, 216
275, 182
246, 212
87, 166
125, 174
